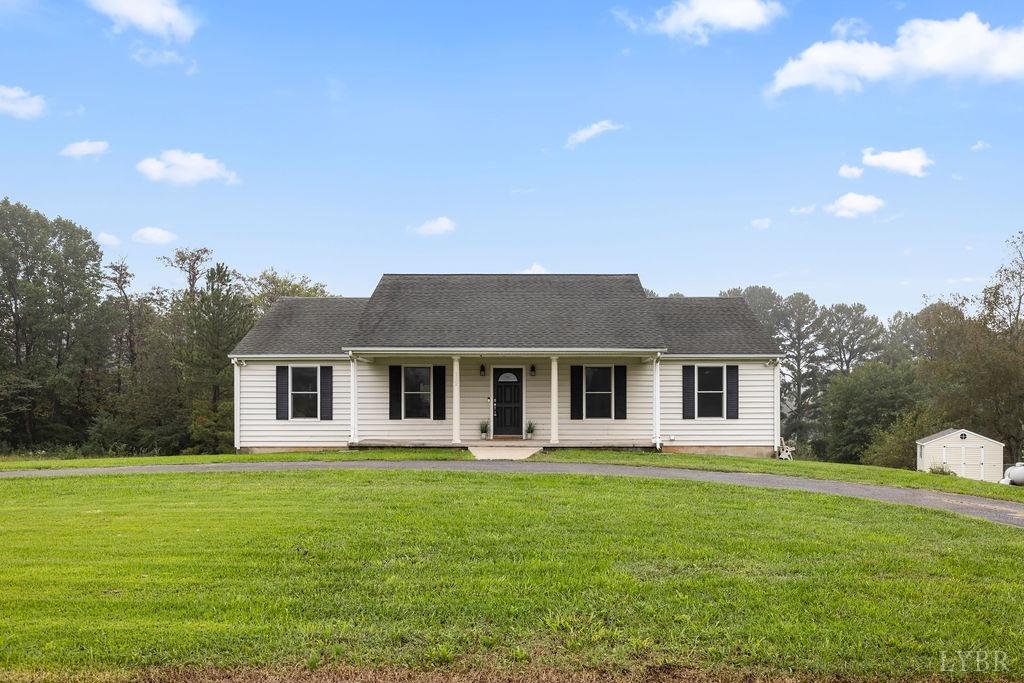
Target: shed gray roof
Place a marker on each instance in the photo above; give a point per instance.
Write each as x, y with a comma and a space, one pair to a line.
953, 430
508, 311
304, 325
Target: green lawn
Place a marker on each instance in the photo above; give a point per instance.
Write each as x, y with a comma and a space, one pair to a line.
456, 571
862, 474
19, 463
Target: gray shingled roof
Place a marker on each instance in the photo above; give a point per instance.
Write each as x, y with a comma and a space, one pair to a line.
504, 311
706, 325
304, 325
508, 311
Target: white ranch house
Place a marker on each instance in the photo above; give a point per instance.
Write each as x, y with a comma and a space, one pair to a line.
589, 360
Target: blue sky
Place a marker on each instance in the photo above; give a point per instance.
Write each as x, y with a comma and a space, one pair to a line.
324, 138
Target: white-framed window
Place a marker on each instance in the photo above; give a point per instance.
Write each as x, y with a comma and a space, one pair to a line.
597, 392
710, 391
417, 392
304, 392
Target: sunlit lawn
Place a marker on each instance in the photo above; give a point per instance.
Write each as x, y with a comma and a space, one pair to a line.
457, 570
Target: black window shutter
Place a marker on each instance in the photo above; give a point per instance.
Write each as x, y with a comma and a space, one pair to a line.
620, 392
282, 392
732, 392
395, 392
575, 392
438, 388
689, 394
326, 392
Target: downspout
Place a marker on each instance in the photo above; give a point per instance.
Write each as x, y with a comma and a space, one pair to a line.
657, 401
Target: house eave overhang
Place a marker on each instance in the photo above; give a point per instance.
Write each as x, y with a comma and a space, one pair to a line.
758, 356
499, 351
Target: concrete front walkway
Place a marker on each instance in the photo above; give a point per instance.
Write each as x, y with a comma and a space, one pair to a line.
503, 452
1004, 512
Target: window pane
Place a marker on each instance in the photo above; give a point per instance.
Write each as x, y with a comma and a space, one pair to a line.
709, 379
303, 379
304, 405
417, 405
508, 377
599, 379
599, 405
709, 405
417, 379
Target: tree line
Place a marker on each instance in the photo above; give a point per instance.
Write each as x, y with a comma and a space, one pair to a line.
856, 389
88, 364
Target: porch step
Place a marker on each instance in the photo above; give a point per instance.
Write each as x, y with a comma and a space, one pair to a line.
503, 452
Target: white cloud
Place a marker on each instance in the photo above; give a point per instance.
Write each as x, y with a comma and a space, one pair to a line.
164, 18
85, 148
954, 48
696, 20
851, 205
150, 235
147, 56
850, 172
909, 161
850, 27
20, 103
979, 146
108, 240
761, 223
965, 280
591, 131
803, 210
185, 168
535, 269
437, 226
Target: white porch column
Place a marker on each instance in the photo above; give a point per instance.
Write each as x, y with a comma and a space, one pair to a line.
554, 399
456, 401
353, 398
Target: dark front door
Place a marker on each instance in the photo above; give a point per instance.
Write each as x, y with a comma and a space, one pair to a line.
508, 401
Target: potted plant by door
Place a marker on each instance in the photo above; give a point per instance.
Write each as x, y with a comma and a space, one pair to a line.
530, 429
484, 428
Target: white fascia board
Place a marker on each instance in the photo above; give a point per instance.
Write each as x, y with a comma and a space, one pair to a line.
283, 356
475, 351
703, 356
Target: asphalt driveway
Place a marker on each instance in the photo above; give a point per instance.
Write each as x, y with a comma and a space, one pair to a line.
1004, 512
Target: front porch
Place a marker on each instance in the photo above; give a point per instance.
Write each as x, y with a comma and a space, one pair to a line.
586, 400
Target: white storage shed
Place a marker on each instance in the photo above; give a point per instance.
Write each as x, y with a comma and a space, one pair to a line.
963, 453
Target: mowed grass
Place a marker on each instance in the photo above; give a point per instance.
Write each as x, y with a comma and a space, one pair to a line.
20, 463
861, 474
457, 570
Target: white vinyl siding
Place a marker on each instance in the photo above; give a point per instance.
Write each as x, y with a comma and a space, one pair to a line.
374, 421
755, 426
757, 408
964, 456
258, 424
638, 427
